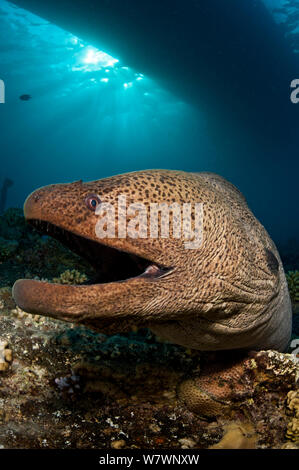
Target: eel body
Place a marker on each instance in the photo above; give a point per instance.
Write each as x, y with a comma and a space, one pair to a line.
228, 291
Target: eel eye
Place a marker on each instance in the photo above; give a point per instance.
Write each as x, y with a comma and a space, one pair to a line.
92, 201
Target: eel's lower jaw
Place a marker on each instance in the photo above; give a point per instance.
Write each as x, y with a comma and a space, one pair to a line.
94, 303
79, 303
118, 274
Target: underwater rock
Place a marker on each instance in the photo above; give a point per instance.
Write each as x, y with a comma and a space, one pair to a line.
237, 436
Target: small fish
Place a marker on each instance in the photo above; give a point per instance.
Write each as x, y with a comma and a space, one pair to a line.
25, 97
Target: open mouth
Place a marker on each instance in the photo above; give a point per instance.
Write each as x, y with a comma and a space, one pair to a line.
109, 264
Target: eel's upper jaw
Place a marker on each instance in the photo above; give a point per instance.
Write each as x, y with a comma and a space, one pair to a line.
110, 264
114, 270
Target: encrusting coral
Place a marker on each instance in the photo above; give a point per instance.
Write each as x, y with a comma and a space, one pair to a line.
292, 432
5, 356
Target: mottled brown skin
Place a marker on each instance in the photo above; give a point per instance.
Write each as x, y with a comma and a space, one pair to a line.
230, 293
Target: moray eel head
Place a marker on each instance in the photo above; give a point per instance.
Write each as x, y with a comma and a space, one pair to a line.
227, 290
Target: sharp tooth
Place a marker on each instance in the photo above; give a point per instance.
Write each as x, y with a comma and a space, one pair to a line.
152, 270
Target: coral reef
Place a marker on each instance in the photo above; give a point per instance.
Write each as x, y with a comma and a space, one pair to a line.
293, 283
71, 276
120, 392
24, 253
11, 225
69, 387
7, 248
292, 432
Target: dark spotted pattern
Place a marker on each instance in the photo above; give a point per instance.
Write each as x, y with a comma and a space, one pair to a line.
229, 293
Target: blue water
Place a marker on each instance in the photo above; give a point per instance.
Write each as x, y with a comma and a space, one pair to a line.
90, 115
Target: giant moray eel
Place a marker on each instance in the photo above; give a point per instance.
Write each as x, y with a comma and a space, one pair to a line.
229, 293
